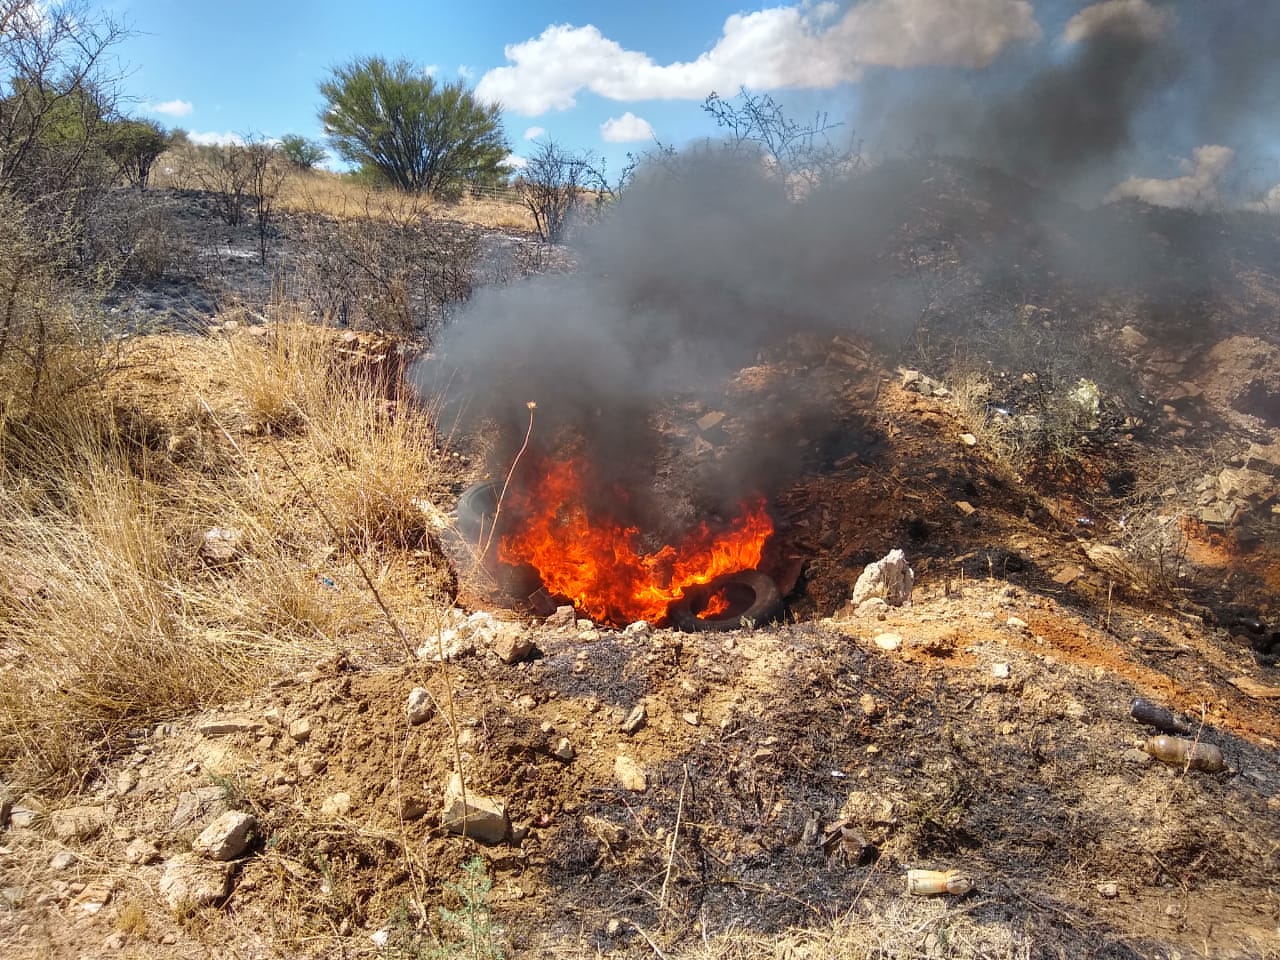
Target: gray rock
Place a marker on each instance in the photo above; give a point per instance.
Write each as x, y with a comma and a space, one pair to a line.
63, 860
189, 882
639, 628
889, 578
301, 729
563, 750
198, 806
479, 816
636, 719
78, 823
420, 706
228, 837
230, 726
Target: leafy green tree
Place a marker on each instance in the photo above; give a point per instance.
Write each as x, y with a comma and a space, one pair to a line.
301, 152
134, 145
420, 135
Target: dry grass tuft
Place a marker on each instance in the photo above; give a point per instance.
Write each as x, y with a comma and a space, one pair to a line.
112, 615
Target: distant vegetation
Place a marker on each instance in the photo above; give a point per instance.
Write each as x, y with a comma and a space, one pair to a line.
414, 132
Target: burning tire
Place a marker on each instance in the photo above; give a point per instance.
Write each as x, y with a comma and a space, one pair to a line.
477, 508
748, 597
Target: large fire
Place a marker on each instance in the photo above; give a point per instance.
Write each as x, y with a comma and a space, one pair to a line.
594, 560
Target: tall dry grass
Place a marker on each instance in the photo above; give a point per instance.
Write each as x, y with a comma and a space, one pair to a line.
110, 616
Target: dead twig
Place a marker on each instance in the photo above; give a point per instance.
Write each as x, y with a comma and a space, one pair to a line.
675, 838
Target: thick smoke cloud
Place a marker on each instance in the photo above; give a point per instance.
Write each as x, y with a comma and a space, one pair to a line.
708, 261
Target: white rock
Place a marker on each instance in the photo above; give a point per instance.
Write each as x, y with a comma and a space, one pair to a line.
420, 706
301, 729
220, 545
1000, 671
510, 643
630, 774
563, 749
889, 578
228, 837
63, 860
887, 641
338, 805
1016, 623
640, 628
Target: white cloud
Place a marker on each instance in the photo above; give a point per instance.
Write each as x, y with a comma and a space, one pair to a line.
1130, 16
215, 139
515, 162
465, 72
627, 128
431, 69
1197, 188
533, 133
805, 46
170, 108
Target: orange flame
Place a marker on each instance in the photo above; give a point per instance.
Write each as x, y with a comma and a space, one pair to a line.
594, 562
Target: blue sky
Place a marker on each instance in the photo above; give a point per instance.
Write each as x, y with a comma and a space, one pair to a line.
605, 77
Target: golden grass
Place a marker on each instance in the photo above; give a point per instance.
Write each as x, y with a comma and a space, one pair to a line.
330, 194
110, 616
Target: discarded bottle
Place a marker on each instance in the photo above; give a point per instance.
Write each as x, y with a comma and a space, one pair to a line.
1186, 753
1154, 715
923, 883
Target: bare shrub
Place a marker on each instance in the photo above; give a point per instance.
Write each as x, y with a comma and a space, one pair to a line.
394, 269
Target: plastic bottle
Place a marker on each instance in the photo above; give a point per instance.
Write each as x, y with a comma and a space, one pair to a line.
1186, 753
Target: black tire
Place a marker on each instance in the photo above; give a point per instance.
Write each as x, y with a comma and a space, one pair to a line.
477, 508
754, 599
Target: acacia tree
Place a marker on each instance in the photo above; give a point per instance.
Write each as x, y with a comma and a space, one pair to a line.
135, 145
419, 135
552, 185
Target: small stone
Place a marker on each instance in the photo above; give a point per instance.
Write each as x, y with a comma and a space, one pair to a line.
709, 420
220, 545
635, 719
1000, 671
889, 578
564, 617
479, 816
228, 837
200, 804
126, 781
870, 707
63, 860
526, 702
338, 805
1136, 757
310, 767
141, 851
451, 644
420, 706
1016, 623
511, 644
887, 641
414, 807
640, 628
691, 717
230, 726
615, 835
613, 928
965, 507
563, 750
78, 823
190, 882
300, 730
630, 774
94, 897
968, 439
1108, 891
